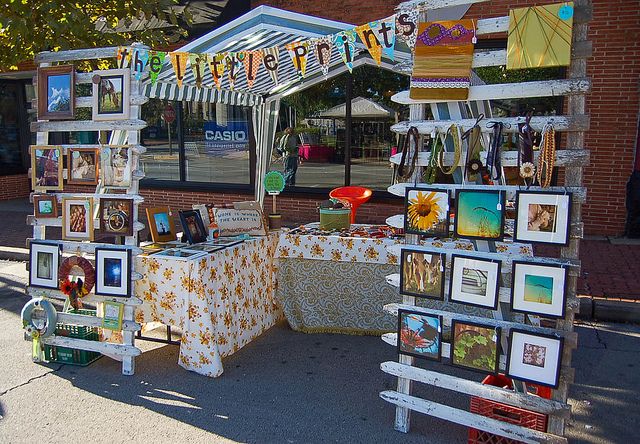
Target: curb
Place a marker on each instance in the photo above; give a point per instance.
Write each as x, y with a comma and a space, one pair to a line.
608, 310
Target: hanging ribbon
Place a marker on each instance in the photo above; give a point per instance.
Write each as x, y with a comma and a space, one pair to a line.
198, 64
345, 43
216, 66
156, 60
457, 150
525, 151
140, 58
298, 52
431, 170
270, 62
473, 165
493, 156
252, 61
407, 26
368, 37
322, 50
386, 32
412, 135
179, 63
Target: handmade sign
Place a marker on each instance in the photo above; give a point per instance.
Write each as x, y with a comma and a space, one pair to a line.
540, 36
270, 60
252, 61
322, 50
179, 62
345, 43
442, 64
298, 52
368, 37
232, 222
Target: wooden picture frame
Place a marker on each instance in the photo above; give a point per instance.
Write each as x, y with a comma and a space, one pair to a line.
116, 216
83, 166
468, 279
44, 262
111, 94
422, 269
537, 361
432, 201
480, 214
77, 218
113, 272
457, 345
427, 328
542, 217
46, 168
43, 211
539, 289
56, 92
192, 226
161, 225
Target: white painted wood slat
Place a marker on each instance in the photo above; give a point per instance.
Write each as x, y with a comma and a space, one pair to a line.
96, 346
88, 125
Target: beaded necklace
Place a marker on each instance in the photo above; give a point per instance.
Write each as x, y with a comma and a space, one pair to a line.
547, 157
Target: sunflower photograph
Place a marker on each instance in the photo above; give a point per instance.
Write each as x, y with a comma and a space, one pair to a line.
426, 212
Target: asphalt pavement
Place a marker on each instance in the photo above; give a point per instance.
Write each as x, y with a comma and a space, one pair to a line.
285, 387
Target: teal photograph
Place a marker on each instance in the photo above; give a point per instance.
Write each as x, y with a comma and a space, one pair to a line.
479, 214
419, 335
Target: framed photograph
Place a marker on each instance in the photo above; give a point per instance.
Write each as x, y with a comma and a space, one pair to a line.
224, 242
113, 314
45, 206
419, 335
474, 281
538, 289
115, 166
206, 248
192, 225
82, 166
44, 260
479, 214
422, 274
542, 217
475, 346
77, 218
534, 357
426, 212
111, 94
116, 216
180, 254
56, 92
113, 272
161, 224
46, 168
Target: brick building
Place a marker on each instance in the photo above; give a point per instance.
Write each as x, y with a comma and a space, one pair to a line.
613, 105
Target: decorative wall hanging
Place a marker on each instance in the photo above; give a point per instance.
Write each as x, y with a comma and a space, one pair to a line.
156, 60
82, 166
345, 43
116, 216
298, 52
474, 139
457, 150
45, 206
77, 218
216, 66
115, 166
270, 61
161, 224
193, 228
43, 264
525, 151
179, 63
540, 36
113, 272
442, 62
407, 27
547, 157
534, 357
139, 60
252, 62
198, 64
368, 37
322, 50
386, 32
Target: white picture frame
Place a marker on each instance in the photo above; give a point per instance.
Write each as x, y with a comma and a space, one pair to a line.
474, 281
542, 217
113, 272
180, 254
534, 357
538, 289
44, 262
111, 94
115, 166
77, 218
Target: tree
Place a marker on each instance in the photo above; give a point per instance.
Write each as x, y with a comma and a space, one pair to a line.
30, 26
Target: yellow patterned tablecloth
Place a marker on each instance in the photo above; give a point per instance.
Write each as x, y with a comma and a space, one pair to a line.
220, 302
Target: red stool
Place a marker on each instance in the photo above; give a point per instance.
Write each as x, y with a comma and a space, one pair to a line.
356, 196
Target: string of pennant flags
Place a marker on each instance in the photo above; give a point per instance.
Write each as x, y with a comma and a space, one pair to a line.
379, 37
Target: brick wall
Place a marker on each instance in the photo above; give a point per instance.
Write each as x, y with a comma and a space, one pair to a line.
14, 186
613, 104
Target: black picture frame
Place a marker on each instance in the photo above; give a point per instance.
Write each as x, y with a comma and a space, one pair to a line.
498, 333
56, 249
437, 358
100, 272
567, 228
560, 340
565, 270
429, 233
403, 254
201, 233
456, 222
496, 291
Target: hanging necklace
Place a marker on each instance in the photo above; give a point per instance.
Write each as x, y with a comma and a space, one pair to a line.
403, 174
547, 157
473, 136
525, 151
457, 150
493, 156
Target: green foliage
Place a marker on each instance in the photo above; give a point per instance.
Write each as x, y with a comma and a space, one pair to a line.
31, 26
475, 350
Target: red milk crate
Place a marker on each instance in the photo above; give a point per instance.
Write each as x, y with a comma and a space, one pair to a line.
506, 413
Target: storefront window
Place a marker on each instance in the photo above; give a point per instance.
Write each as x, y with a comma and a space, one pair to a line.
160, 137
11, 109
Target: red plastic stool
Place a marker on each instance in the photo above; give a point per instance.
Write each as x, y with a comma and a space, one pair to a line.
356, 196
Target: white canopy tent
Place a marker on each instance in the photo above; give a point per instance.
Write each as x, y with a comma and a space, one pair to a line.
361, 108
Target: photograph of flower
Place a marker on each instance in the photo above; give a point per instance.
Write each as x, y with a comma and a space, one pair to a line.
46, 168
542, 217
111, 95
82, 166
56, 92
422, 274
419, 335
161, 224
116, 216
538, 289
77, 218
475, 346
115, 166
474, 281
534, 357
426, 212
44, 259
479, 214
45, 206
113, 272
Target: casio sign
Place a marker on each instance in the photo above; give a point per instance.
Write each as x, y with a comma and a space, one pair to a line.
233, 136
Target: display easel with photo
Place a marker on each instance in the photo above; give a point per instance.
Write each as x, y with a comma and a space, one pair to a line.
112, 208
529, 336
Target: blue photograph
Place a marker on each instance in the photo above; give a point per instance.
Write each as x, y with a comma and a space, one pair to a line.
112, 272
59, 93
162, 223
419, 335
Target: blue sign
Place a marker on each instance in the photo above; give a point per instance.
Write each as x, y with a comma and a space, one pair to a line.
219, 140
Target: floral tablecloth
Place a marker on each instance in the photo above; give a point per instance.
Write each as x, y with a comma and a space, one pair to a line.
220, 302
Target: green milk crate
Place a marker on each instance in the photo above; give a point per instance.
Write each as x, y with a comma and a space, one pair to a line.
73, 356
